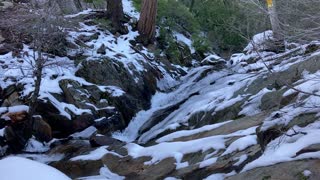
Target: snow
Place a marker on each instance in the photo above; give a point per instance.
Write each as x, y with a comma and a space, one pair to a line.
177, 150
170, 178
185, 133
241, 144
105, 174
241, 159
28, 169
203, 90
258, 41
115, 91
182, 38
85, 134
13, 109
174, 149
208, 162
252, 106
307, 173
35, 146
212, 58
93, 155
219, 176
284, 149
129, 9
42, 158
87, 11
217, 96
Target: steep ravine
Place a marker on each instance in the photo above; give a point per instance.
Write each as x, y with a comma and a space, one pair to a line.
116, 115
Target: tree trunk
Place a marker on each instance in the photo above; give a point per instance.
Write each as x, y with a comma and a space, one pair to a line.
115, 13
147, 21
38, 77
275, 23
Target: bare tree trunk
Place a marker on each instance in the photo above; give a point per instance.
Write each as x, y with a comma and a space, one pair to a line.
115, 13
147, 21
275, 24
38, 75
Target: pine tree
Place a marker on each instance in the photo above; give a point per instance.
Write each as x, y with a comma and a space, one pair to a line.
147, 21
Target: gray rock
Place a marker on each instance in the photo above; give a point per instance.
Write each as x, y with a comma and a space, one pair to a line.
136, 169
139, 86
287, 170
102, 49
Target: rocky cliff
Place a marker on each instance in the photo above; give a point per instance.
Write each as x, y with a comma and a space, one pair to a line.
119, 110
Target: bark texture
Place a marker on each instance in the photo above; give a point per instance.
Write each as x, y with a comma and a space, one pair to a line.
147, 21
115, 13
276, 28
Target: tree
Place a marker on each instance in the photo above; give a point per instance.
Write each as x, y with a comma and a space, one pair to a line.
275, 23
115, 13
147, 21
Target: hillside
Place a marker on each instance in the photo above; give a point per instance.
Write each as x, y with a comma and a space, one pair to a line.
111, 108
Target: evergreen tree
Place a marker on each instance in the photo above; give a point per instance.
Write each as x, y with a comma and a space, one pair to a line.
147, 21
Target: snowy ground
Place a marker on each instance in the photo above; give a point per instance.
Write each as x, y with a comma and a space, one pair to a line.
216, 90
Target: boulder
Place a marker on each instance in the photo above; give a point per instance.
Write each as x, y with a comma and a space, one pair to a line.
139, 86
76, 169
217, 62
102, 49
85, 38
82, 122
136, 169
17, 136
41, 130
267, 135
286, 170
110, 124
11, 96
97, 141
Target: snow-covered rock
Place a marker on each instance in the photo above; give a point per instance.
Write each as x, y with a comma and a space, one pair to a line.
17, 168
